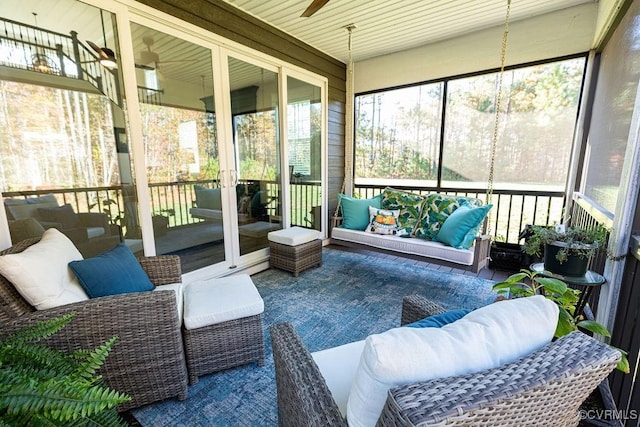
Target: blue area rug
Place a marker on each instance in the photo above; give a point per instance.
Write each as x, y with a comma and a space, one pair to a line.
351, 296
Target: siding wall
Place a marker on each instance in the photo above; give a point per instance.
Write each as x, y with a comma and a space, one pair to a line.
223, 19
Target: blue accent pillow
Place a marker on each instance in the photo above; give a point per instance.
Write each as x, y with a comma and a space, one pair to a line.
355, 212
462, 226
116, 271
439, 320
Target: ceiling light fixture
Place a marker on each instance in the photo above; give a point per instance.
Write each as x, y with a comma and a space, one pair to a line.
41, 63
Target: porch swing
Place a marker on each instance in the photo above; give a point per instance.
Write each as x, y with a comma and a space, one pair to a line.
430, 251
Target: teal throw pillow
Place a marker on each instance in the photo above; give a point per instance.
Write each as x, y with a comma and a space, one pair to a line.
208, 198
439, 320
355, 212
462, 226
437, 208
116, 271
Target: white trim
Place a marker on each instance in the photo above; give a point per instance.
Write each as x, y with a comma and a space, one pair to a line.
127, 61
578, 135
622, 222
322, 83
222, 96
5, 236
283, 145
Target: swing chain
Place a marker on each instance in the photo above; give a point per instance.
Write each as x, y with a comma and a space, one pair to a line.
494, 142
348, 158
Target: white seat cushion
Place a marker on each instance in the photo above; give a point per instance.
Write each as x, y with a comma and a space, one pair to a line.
41, 273
486, 338
294, 236
411, 245
338, 366
257, 229
177, 288
212, 301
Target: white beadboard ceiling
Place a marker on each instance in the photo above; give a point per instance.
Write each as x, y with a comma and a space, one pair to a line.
384, 26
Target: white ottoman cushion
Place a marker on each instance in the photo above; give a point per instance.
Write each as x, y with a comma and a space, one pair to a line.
293, 236
212, 301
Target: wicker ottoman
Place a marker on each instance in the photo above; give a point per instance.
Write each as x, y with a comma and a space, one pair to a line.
295, 249
222, 325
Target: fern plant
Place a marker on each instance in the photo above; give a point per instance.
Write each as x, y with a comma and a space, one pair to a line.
43, 386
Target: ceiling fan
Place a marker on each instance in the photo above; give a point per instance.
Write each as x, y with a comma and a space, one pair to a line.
106, 56
150, 60
315, 6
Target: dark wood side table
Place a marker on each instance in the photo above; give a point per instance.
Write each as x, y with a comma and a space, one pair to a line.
586, 283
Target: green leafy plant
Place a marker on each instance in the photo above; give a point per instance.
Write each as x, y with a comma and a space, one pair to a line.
528, 283
577, 241
43, 386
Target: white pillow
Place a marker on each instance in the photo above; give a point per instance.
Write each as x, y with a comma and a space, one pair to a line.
41, 273
485, 338
382, 221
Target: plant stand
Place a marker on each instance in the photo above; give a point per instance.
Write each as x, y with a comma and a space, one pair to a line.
599, 408
585, 283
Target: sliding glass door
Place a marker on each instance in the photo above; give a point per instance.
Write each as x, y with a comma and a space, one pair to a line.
304, 149
256, 168
175, 91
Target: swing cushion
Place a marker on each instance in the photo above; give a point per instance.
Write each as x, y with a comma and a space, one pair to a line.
355, 212
436, 210
462, 226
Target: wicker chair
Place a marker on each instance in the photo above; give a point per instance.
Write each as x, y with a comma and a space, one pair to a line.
147, 361
544, 388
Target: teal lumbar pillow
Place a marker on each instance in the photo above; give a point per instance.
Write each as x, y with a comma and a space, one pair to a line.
439, 320
461, 227
355, 212
116, 271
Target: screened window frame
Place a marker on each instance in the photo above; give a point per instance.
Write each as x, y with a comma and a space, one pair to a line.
445, 82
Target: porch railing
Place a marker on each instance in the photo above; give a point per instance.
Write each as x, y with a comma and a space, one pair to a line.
173, 200
28, 47
512, 211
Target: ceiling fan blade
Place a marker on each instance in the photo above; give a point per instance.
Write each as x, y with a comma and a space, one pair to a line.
98, 49
315, 6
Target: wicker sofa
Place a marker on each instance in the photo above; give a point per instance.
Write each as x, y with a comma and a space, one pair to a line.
148, 360
543, 388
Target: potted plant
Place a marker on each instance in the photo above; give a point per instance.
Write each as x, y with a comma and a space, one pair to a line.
43, 386
567, 250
